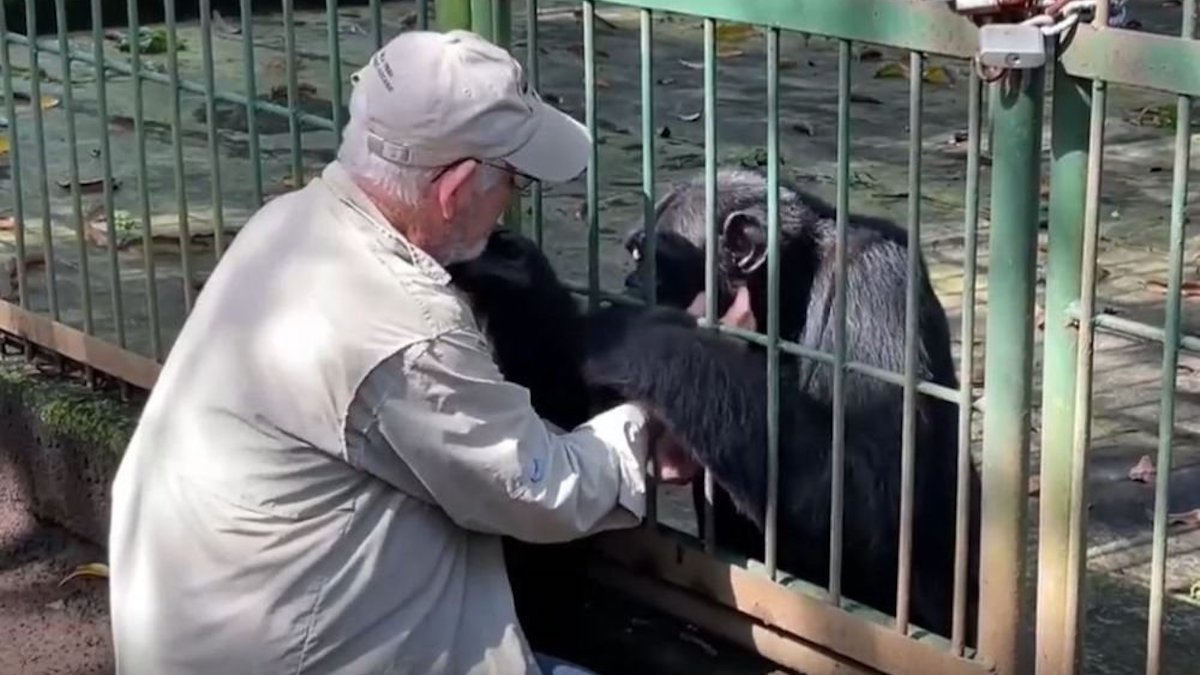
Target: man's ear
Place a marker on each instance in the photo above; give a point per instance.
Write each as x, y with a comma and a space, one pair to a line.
453, 186
744, 240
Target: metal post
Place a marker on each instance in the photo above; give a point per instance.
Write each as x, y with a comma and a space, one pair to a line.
1008, 366
452, 14
1068, 180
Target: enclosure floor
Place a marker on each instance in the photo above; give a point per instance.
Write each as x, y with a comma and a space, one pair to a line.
1134, 211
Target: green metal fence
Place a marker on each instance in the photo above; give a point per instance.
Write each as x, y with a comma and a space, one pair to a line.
1081, 65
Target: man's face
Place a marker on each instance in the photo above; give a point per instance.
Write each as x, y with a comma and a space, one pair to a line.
469, 212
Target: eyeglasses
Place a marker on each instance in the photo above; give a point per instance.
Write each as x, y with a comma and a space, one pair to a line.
521, 181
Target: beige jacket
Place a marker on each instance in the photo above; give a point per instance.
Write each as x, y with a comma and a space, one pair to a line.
321, 472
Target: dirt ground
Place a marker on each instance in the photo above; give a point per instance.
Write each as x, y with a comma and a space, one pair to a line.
1134, 210
48, 629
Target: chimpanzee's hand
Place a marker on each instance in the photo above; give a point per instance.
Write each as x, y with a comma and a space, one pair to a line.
675, 463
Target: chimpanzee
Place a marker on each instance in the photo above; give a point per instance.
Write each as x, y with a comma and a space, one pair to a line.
576, 364
876, 256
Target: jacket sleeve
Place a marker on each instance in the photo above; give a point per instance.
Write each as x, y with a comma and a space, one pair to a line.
476, 447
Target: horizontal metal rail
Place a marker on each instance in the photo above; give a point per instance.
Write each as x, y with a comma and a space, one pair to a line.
924, 386
1135, 329
1132, 58
190, 86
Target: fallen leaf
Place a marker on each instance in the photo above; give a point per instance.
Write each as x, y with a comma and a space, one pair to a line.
7, 223
602, 83
97, 570
729, 53
1189, 289
49, 102
694, 65
870, 54
4, 146
1143, 471
735, 32
891, 70
690, 117
937, 75
1185, 518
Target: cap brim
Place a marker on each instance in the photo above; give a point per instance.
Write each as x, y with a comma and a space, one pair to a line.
558, 150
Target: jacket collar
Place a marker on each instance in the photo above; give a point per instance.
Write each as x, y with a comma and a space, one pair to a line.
338, 180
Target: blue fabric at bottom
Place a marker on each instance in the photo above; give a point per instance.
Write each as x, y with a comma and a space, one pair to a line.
554, 666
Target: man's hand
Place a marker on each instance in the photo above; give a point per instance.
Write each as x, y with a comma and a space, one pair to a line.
738, 315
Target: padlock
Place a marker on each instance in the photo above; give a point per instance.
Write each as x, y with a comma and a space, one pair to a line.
1006, 45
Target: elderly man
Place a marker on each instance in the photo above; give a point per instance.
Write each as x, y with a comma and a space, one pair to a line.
320, 478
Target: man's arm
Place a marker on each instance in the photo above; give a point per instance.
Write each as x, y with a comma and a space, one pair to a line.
476, 445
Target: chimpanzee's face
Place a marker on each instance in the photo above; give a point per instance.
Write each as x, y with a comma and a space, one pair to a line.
679, 269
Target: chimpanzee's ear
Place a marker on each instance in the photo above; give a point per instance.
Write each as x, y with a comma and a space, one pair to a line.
744, 240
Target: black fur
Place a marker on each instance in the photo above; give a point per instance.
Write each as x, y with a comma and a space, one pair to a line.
875, 304
576, 365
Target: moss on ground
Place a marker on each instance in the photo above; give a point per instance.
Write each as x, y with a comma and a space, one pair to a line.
69, 410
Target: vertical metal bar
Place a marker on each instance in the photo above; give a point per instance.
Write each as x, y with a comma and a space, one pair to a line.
39, 130
1068, 179
139, 128
251, 98
838, 458
14, 151
422, 14
1081, 424
1171, 336
481, 18
495, 23
966, 397
772, 538
647, 81
502, 22
377, 21
210, 107
1008, 362
293, 93
114, 265
709, 534
916, 62
335, 69
532, 61
646, 47
593, 187
68, 100
185, 238
1081, 436
452, 14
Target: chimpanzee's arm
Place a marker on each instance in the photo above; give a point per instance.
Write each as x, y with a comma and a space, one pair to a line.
710, 391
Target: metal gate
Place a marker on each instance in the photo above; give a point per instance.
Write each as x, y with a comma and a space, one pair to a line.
56, 297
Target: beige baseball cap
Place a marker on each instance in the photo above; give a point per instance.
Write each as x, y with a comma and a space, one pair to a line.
431, 99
